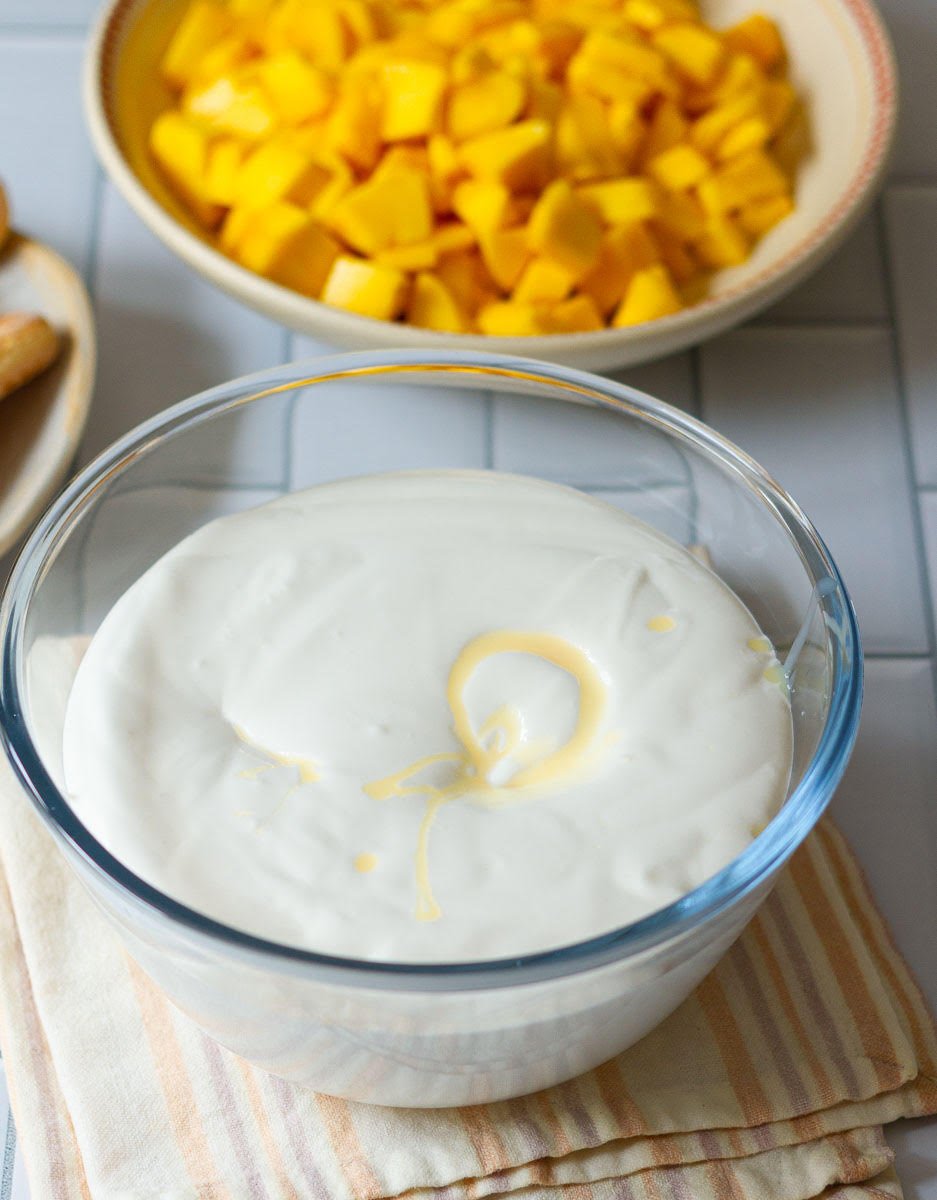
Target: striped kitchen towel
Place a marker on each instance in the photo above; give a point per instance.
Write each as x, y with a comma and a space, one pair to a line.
772, 1081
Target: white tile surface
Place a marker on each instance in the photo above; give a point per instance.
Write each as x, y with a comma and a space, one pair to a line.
164, 335
913, 27
45, 160
849, 287
819, 408
911, 225
49, 14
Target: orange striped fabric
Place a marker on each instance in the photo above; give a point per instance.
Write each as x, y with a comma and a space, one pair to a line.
775, 1078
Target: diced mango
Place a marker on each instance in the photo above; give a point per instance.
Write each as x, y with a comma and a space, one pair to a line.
297, 90
180, 148
650, 295
621, 201
278, 171
483, 204
505, 252
722, 243
203, 25
366, 288
232, 105
695, 51
565, 228
758, 36
519, 156
507, 318
758, 216
679, 168
413, 94
543, 281
623, 251
284, 243
393, 210
433, 306
519, 167
576, 315
485, 104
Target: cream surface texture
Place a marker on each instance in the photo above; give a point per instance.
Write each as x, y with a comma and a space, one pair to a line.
430, 716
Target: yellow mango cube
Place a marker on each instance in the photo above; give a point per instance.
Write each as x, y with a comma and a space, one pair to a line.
751, 176
650, 295
370, 289
620, 201
681, 215
627, 129
676, 257
483, 204
232, 105
505, 253
576, 315
393, 210
418, 256
777, 101
694, 50
585, 147
452, 236
203, 25
316, 30
543, 281
722, 244
339, 184
354, 127
518, 157
624, 250
606, 81
565, 228
679, 168
668, 127
222, 167
279, 171
758, 36
507, 318
298, 91
433, 306
758, 216
485, 104
413, 93
750, 134
544, 99
180, 148
284, 243
712, 127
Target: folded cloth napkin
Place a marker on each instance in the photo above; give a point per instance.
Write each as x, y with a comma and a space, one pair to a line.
772, 1080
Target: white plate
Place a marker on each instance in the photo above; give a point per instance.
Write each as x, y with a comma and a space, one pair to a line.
40, 424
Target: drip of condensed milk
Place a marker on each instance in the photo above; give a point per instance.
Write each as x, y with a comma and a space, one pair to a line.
428, 716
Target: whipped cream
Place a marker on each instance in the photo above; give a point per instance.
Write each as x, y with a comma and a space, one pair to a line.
430, 716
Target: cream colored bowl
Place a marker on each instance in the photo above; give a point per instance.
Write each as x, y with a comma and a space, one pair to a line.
842, 63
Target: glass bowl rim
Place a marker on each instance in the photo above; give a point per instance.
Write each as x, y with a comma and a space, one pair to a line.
731, 884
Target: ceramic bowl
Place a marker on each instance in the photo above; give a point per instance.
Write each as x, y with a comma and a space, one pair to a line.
842, 64
40, 424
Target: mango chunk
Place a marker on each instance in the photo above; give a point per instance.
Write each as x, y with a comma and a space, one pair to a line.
696, 51
722, 243
758, 36
679, 168
507, 318
467, 278
433, 306
232, 105
624, 250
483, 204
758, 216
576, 315
203, 25
298, 91
316, 30
585, 146
354, 127
543, 281
180, 148
418, 256
751, 134
620, 201
279, 171
650, 295
413, 93
505, 253
751, 176
518, 157
485, 104
222, 168
370, 289
284, 243
565, 228
393, 210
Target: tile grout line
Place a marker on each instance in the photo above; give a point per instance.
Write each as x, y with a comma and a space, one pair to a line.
917, 520
696, 381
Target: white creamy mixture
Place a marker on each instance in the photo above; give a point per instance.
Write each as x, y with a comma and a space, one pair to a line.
440, 715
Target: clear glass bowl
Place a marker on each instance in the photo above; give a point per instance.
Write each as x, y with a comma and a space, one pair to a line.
441, 1034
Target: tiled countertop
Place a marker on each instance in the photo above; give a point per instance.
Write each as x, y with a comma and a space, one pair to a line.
834, 391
